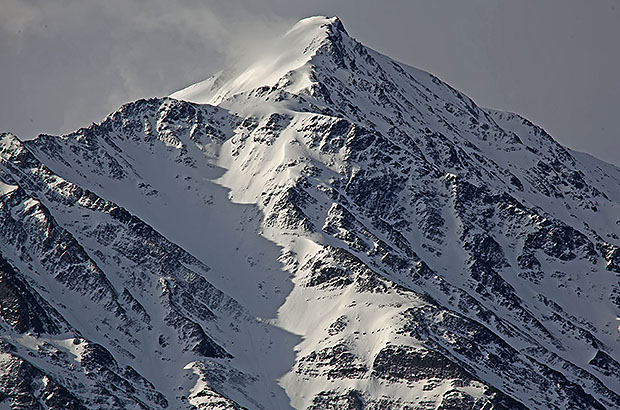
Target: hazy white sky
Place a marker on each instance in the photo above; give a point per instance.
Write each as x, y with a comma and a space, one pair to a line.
67, 63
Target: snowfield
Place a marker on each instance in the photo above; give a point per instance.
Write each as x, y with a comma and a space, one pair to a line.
325, 229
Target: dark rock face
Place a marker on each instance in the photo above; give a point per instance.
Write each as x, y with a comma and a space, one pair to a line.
334, 401
357, 236
405, 363
559, 241
606, 364
19, 306
456, 400
23, 386
339, 360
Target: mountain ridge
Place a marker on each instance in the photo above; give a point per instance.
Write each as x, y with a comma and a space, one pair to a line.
352, 234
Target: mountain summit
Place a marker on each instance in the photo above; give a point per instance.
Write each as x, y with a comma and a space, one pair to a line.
288, 63
325, 229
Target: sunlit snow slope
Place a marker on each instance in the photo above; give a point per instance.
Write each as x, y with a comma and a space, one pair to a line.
325, 229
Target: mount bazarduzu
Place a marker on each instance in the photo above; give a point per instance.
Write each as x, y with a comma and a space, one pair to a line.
326, 229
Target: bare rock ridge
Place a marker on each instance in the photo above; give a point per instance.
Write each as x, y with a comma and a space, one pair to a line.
324, 229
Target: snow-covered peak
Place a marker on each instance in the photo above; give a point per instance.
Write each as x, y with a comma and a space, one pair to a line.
8, 141
337, 230
318, 25
284, 58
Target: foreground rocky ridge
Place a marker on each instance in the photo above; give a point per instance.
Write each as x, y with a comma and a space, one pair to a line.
341, 231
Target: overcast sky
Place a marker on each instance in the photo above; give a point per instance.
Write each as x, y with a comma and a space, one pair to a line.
67, 63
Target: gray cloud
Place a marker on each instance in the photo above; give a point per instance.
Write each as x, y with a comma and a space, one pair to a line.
66, 63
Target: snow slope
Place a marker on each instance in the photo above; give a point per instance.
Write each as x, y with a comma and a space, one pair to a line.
324, 229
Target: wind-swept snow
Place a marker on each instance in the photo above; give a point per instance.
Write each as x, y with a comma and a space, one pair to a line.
325, 228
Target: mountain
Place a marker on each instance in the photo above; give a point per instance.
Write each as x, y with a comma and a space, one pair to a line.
325, 229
